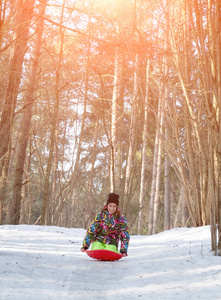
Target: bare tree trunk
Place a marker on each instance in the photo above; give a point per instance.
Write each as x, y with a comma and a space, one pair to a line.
214, 39
213, 189
26, 124
166, 132
166, 190
113, 121
218, 59
24, 18
143, 166
132, 137
120, 129
158, 171
154, 198
45, 203
93, 160
180, 218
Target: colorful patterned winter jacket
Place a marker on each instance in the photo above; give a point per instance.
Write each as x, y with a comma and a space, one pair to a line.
108, 229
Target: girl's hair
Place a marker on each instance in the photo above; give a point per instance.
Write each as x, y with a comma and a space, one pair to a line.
117, 212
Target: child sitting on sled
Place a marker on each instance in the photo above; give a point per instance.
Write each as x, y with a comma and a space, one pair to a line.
107, 228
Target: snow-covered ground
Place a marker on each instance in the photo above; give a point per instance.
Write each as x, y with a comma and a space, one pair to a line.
40, 262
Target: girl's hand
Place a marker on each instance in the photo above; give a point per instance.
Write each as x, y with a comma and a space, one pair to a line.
124, 254
82, 249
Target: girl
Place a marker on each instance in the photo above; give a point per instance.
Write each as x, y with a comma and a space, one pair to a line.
107, 228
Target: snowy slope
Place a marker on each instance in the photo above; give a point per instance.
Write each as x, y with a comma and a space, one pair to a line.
40, 262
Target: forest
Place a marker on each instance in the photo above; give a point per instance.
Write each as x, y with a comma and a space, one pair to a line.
100, 96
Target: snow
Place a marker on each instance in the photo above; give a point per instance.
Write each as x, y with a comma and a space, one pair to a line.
42, 263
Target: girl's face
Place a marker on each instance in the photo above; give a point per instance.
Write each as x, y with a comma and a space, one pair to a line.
112, 207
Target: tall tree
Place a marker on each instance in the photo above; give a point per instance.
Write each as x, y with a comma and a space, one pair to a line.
167, 198
26, 120
45, 203
157, 164
114, 119
218, 59
144, 147
130, 155
24, 17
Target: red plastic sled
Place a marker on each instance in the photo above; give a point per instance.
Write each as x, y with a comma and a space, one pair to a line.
103, 254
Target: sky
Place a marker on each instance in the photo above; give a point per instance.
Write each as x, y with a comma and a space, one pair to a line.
42, 262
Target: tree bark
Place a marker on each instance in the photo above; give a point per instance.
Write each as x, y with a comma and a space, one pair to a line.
218, 59
113, 121
154, 198
26, 123
144, 147
24, 19
45, 202
166, 190
131, 137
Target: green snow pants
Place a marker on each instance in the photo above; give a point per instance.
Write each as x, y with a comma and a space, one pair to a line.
99, 245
